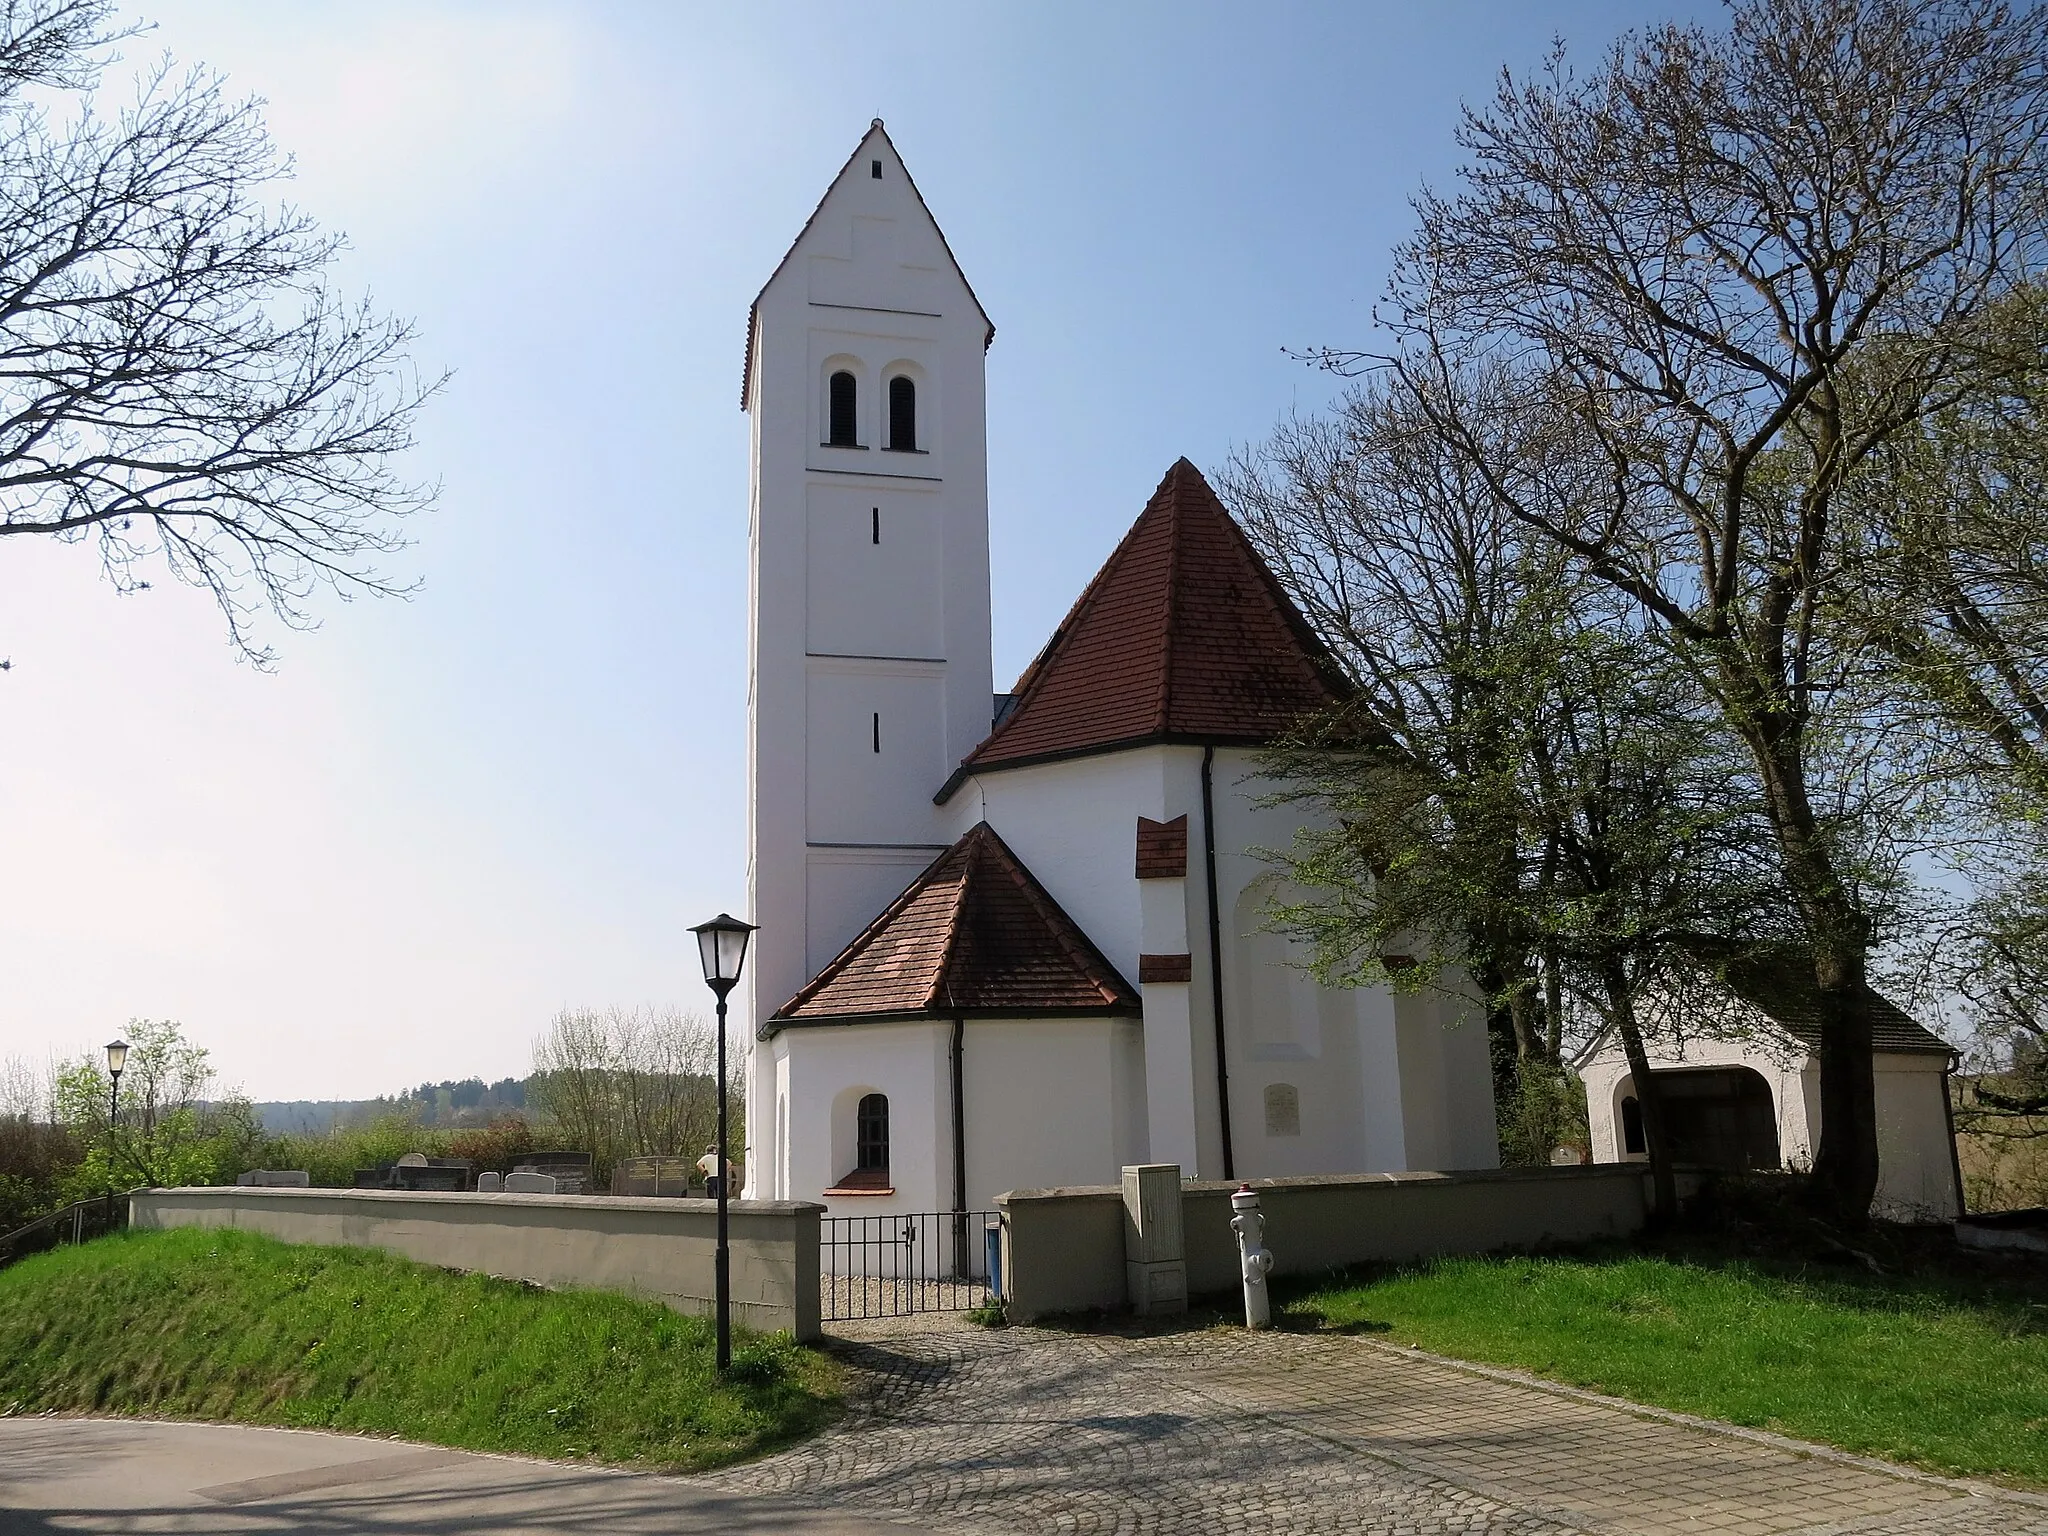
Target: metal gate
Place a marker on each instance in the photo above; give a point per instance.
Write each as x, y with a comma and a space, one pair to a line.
893, 1266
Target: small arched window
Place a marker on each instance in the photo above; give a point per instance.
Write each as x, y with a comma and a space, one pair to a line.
1632, 1126
871, 1133
903, 414
840, 402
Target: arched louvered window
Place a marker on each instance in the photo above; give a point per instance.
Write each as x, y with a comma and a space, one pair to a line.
841, 400
871, 1132
903, 414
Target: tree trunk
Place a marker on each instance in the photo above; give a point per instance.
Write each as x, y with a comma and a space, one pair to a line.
1838, 934
1621, 1006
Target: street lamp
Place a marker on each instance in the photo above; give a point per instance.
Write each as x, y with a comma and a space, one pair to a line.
722, 947
117, 1058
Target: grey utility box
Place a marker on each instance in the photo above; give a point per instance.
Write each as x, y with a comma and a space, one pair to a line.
1155, 1258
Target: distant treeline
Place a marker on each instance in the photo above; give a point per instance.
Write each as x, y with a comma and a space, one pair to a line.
454, 1104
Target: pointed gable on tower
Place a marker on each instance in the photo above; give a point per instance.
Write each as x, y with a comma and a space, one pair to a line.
922, 251
1184, 635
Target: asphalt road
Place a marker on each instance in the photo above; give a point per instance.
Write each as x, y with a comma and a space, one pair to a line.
105, 1475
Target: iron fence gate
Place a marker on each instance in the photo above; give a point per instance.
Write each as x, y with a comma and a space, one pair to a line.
892, 1266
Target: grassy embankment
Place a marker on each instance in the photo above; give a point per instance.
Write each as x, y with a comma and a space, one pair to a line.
1932, 1358
225, 1325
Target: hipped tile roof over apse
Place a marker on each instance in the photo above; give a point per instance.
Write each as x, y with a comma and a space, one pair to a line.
975, 935
1183, 635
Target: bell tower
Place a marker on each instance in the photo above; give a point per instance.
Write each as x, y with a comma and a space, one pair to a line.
869, 657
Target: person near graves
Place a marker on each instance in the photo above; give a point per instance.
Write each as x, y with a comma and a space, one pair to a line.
708, 1166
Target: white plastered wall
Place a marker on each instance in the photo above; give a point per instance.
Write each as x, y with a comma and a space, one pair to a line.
1376, 1083
869, 641
829, 1067
1050, 1102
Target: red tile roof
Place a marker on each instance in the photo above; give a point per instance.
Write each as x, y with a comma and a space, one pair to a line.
974, 936
1778, 979
1183, 635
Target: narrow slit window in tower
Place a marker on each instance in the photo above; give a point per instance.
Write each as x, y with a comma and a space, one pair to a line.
875, 169
875, 535
902, 414
878, 731
841, 412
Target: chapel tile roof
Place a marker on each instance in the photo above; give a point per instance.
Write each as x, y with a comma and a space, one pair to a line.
1778, 980
974, 935
1183, 635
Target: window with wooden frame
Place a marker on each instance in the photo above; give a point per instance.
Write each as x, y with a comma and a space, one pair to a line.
902, 414
842, 401
871, 1134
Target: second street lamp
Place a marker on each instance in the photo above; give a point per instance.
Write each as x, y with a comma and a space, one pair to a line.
117, 1059
722, 948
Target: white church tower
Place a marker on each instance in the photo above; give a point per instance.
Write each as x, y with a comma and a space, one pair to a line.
870, 588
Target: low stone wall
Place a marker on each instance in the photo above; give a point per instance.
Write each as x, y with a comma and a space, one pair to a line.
1063, 1249
657, 1248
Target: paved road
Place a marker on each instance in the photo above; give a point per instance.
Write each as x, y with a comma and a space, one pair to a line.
961, 1430
1032, 1430
104, 1475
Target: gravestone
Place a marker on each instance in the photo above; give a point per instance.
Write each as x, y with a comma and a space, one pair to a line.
441, 1174
570, 1170
665, 1176
489, 1183
413, 1160
522, 1182
275, 1178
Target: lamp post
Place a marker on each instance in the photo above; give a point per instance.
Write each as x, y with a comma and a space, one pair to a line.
117, 1058
722, 947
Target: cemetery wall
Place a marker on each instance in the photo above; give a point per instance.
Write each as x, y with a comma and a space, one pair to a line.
657, 1248
1063, 1249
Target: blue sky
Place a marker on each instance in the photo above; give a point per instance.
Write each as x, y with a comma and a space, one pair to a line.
440, 820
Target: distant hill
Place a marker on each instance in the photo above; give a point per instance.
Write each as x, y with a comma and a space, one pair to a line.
301, 1117
467, 1101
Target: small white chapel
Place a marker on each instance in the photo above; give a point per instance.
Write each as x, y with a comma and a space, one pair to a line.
1018, 940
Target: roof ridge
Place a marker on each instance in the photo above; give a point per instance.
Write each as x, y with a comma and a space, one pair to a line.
1163, 716
861, 941
996, 956
1318, 652
1189, 640
970, 846
1064, 929
1029, 680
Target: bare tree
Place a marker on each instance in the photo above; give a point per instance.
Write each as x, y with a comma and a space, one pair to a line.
1945, 546
179, 383
1430, 597
1674, 266
629, 1082
1521, 784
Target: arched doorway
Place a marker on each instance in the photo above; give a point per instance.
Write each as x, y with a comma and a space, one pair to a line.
1720, 1117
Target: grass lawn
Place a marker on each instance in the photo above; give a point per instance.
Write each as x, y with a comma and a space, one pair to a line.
225, 1325
1944, 1365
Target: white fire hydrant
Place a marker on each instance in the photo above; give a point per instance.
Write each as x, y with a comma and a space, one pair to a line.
1253, 1259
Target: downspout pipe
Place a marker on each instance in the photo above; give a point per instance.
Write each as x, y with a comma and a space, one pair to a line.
1216, 960
960, 1255
1948, 1109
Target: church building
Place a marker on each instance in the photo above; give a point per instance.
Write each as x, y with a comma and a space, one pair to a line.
1018, 940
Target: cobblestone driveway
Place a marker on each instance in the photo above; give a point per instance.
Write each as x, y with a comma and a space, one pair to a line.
1024, 1430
